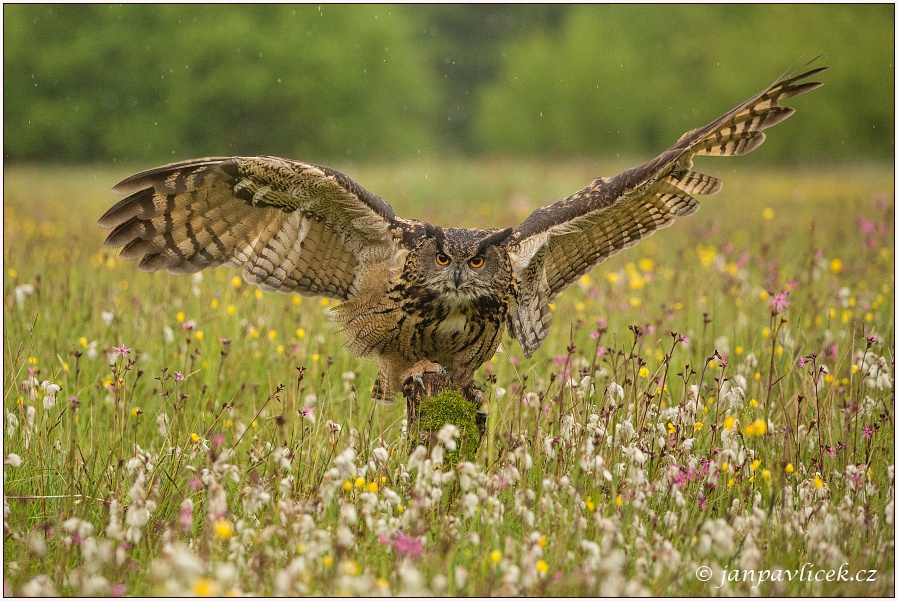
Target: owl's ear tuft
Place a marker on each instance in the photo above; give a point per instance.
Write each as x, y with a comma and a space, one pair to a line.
436, 232
494, 239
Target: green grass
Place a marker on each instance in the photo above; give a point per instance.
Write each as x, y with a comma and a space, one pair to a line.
617, 459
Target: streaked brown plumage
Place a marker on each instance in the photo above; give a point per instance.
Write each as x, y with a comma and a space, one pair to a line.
416, 296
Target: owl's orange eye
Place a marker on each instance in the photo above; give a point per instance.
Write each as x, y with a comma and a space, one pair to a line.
442, 259
476, 262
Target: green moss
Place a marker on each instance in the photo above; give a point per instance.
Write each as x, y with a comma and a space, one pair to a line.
449, 407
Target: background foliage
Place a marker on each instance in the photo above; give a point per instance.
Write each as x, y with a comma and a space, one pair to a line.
159, 83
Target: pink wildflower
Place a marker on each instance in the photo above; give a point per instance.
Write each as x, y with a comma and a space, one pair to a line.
118, 590
408, 545
779, 301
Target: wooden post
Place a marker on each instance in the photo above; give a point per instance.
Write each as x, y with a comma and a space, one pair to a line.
433, 400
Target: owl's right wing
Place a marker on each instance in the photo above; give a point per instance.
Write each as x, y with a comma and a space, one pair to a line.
559, 243
292, 226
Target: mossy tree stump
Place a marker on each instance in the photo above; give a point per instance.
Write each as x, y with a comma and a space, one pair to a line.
432, 401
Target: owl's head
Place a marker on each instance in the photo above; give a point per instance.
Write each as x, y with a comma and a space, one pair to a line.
461, 264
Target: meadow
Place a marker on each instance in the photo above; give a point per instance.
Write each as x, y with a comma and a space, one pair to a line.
712, 413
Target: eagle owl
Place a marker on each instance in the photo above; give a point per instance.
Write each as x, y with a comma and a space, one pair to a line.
416, 297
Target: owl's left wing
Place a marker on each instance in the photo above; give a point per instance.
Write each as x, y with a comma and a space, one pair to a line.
291, 226
559, 243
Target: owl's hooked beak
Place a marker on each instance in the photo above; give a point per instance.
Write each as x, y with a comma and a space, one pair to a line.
457, 277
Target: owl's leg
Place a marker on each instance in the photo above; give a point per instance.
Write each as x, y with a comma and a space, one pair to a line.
393, 372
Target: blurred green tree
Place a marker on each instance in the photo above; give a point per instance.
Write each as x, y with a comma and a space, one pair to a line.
467, 45
630, 79
334, 82
88, 82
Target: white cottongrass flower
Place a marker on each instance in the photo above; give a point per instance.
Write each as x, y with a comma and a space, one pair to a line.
348, 514
39, 586
348, 377
79, 527
108, 317
197, 279
22, 292
345, 462
735, 398
447, 436
614, 390
470, 503
461, 577
344, 538
12, 422
549, 443
624, 431
50, 397
567, 427
437, 454
162, 424
36, 543
12, 460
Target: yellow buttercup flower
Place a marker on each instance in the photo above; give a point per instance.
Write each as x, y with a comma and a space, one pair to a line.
223, 529
204, 587
756, 428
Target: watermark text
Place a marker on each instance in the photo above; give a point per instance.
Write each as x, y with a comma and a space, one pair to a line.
807, 573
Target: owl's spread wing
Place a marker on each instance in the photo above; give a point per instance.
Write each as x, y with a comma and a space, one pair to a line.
292, 226
559, 243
